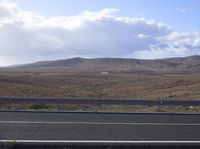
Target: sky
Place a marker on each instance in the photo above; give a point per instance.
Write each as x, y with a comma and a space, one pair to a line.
35, 30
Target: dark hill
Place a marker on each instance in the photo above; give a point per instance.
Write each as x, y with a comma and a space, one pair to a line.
189, 64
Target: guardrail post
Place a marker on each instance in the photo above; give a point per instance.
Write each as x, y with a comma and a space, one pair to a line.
159, 106
83, 107
10, 101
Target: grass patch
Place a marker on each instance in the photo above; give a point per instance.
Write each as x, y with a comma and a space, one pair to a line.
38, 106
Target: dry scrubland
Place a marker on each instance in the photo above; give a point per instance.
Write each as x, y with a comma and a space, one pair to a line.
29, 84
100, 86
55, 78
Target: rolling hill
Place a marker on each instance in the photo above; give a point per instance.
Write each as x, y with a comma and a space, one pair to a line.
184, 65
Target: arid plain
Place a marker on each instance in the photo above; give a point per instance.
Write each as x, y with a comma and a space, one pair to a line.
50, 81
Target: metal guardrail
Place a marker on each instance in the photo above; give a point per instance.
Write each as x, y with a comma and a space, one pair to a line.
35, 100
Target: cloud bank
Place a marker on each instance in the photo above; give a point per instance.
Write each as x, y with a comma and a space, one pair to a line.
27, 36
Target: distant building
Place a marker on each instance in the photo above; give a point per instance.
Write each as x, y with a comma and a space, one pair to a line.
104, 73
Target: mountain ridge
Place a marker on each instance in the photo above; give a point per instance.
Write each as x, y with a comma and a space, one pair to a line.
167, 65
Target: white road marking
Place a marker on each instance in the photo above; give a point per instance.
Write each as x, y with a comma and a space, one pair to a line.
99, 141
97, 123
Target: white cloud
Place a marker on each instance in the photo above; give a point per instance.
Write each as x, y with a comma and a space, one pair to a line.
194, 7
181, 9
27, 36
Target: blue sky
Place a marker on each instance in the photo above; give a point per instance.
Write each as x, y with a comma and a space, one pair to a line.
182, 15
36, 30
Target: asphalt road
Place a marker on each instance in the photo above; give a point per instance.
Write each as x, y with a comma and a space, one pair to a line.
44, 126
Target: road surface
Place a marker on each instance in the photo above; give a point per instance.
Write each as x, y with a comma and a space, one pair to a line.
99, 127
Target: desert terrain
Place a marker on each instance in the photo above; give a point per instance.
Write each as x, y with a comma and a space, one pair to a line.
110, 78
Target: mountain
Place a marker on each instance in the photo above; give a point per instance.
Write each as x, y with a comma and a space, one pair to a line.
189, 64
